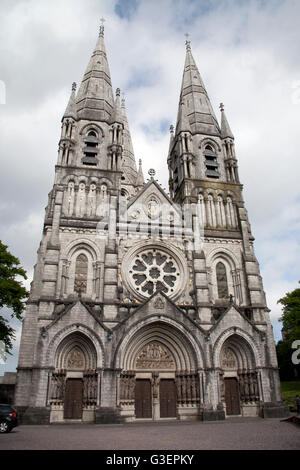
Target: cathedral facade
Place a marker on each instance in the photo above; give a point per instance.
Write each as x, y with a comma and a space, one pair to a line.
145, 305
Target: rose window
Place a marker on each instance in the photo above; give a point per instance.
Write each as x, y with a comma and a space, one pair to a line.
154, 270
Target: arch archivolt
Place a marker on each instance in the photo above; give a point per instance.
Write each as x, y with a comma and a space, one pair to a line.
185, 353
92, 127
76, 337
83, 179
105, 181
76, 352
242, 346
209, 141
234, 273
70, 178
218, 254
81, 246
237, 358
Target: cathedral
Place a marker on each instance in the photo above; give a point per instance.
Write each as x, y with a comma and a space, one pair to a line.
145, 305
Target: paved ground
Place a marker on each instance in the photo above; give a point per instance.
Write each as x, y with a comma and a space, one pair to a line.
232, 434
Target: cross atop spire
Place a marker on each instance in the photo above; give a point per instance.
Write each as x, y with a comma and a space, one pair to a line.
101, 32
187, 42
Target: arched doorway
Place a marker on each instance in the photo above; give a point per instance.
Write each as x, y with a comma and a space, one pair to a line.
74, 382
159, 378
239, 380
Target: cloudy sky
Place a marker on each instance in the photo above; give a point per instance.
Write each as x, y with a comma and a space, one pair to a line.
248, 55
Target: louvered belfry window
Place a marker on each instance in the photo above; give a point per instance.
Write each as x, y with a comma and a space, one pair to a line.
211, 162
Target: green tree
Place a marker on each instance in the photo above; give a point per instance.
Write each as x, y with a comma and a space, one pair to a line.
12, 294
291, 315
290, 332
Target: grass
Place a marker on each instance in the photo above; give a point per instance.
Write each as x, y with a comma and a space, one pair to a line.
289, 392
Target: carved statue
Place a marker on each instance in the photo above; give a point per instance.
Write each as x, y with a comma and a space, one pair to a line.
92, 200
102, 209
81, 200
70, 198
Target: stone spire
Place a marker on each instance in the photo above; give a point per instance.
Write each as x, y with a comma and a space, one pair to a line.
225, 128
71, 107
199, 109
128, 158
95, 96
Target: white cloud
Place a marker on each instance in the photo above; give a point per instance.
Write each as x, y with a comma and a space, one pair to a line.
248, 56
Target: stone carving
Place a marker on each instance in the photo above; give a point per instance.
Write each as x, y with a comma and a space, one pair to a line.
159, 304
248, 387
155, 356
103, 209
187, 384
155, 384
153, 208
57, 389
127, 386
228, 360
70, 198
81, 200
75, 359
90, 388
154, 271
92, 200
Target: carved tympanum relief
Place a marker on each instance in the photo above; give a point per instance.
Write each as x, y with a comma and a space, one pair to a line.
155, 356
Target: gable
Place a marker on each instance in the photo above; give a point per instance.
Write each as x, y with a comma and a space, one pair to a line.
232, 317
74, 312
154, 309
152, 205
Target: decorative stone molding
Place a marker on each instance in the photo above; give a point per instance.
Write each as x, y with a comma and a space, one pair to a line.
154, 267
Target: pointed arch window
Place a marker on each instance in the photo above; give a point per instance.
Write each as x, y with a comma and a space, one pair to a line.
81, 271
222, 280
211, 162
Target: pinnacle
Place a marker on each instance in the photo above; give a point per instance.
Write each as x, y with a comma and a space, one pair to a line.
71, 107
225, 128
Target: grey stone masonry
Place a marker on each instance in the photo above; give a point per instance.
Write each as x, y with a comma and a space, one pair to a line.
145, 305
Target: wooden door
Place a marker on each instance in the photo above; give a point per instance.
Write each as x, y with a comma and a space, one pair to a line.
232, 398
143, 401
73, 399
167, 398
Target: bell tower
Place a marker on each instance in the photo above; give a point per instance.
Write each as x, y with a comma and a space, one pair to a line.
203, 170
200, 150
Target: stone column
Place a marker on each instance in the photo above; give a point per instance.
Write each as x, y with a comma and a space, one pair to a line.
108, 412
